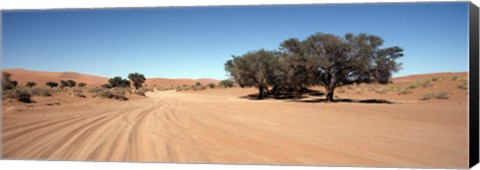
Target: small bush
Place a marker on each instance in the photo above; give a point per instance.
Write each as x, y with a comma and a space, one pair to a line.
440, 95
454, 78
198, 87
7, 82
211, 85
463, 85
405, 92
81, 85
115, 93
23, 95
426, 84
140, 91
436, 79
181, 88
412, 86
79, 94
42, 92
226, 83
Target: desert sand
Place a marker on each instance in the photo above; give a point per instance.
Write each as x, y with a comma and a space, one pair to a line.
221, 126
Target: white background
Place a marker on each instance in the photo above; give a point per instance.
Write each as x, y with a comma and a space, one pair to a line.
62, 4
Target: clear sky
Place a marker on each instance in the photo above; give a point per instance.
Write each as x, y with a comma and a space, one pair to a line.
195, 42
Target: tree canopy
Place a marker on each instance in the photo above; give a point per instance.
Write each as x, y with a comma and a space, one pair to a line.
321, 59
137, 79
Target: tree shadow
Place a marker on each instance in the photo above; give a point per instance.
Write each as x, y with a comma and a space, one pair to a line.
286, 95
299, 95
367, 101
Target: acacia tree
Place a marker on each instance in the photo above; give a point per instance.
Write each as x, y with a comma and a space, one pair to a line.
253, 69
118, 82
51, 84
30, 84
137, 79
333, 61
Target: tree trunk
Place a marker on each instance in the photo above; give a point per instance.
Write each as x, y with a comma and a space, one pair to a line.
329, 96
261, 92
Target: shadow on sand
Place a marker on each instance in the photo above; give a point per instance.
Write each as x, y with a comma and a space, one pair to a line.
368, 101
299, 95
286, 95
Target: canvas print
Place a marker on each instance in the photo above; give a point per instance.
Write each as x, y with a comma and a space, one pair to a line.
370, 85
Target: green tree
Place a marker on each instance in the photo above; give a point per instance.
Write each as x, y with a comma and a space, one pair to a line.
333, 61
51, 84
137, 79
71, 83
30, 84
118, 82
253, 69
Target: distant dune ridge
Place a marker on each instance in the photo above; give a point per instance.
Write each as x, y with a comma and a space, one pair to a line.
41, 77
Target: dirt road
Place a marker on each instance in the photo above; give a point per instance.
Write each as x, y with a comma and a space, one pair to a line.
199, 128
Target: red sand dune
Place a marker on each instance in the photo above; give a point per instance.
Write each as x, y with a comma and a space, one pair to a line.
41, 77
417, 77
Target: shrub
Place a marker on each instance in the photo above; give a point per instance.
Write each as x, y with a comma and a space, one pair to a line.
7, 82
81, 85
436, 79
118, 82
463, 85
454, 78
182, 88
107, 85
211, 85
405, 91
79, 94
95, 90
51, 84
30, 84
140, 91
23, 95
427, 83
198, 87
41, 92
412, 86
114, 93
71, 83
440, 95
67, 83
226, 83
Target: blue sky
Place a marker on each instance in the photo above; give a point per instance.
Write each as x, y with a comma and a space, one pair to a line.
195, 42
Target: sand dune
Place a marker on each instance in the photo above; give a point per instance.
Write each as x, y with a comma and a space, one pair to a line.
220, 126
417, 77
41, 77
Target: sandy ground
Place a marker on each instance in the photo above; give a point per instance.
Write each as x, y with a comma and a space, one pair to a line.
216, 126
